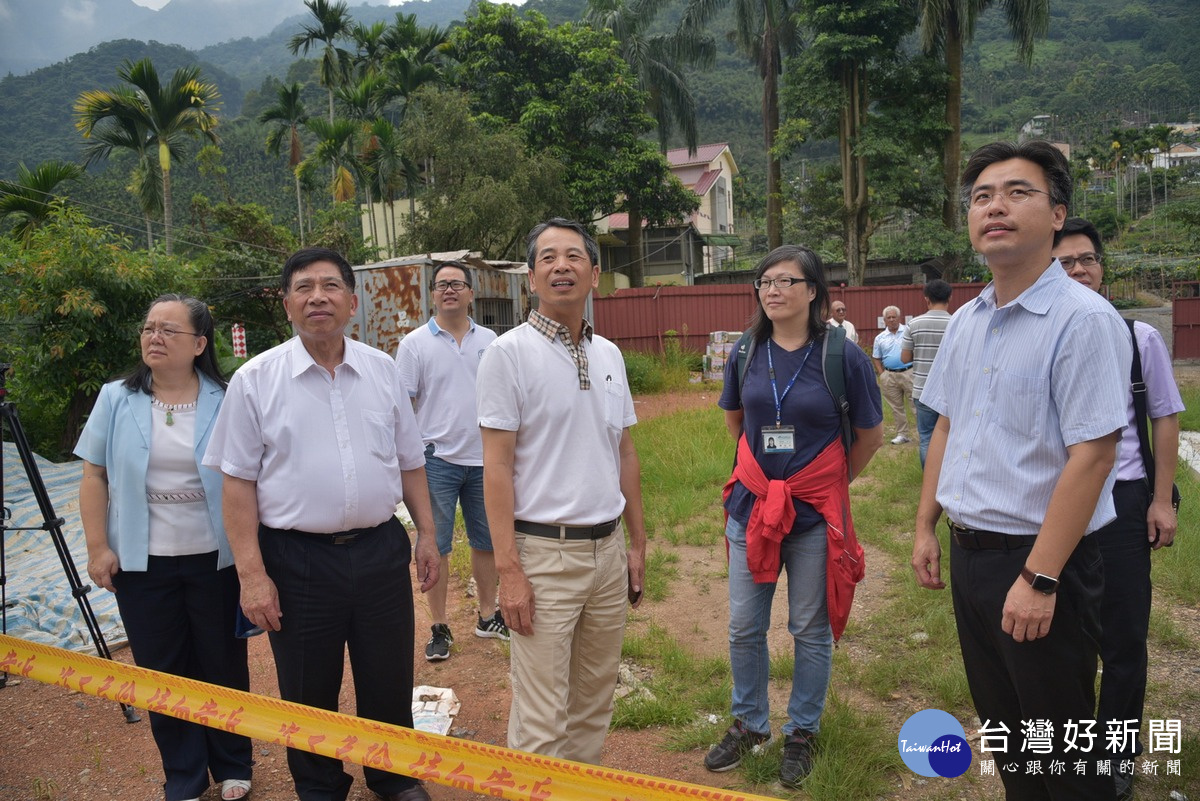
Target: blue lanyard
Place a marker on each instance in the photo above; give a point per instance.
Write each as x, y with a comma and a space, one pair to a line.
774, 389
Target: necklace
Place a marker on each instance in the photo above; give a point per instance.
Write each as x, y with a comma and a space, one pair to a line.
171, 408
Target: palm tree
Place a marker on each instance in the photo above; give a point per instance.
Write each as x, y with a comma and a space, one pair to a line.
145, 116
286, 118
363, 103
414, 56
31, 196
387, 168
658, 62
335, 147
332, 23
946, 27
765, 31
370, 43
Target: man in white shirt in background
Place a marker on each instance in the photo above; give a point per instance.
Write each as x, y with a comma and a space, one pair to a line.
838, 320
318, 444
438, 362
560, 472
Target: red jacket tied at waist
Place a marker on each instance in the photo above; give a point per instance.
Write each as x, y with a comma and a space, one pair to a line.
824, 484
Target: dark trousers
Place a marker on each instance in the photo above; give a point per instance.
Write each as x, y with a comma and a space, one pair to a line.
1051, 678
1125, 610
179, 616
356, 595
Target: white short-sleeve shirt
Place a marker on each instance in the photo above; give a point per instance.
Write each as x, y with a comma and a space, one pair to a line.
567, 468
326, 451
439, 374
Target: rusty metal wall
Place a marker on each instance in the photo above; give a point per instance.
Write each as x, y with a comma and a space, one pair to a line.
1185, 322
394, 298
637, 318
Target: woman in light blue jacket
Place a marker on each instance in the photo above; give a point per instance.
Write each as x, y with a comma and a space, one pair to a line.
152, 518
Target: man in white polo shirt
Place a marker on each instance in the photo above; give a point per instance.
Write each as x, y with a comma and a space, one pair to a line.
560, 472
437, 363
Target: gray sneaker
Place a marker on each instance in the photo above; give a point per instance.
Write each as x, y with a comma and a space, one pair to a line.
738, 742
438, 647
797, 757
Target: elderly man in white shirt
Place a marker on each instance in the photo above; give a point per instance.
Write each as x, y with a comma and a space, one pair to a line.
838, 320
560, 472
318, 444
438, 362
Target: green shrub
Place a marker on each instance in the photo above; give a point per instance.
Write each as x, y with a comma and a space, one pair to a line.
644, 372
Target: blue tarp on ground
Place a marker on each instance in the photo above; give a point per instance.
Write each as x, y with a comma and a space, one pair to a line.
40, 607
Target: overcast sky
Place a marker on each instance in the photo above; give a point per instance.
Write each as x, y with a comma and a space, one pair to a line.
156, 4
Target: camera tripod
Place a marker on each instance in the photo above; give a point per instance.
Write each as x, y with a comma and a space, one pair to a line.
51, 523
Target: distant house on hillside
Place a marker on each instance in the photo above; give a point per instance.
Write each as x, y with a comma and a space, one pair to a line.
1176, 156
703, 243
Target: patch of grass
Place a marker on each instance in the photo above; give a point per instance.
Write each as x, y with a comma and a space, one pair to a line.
855, 753
681, 688
686, 458
660, 572
1177, 569
782, 666
1165, 634
1189, 418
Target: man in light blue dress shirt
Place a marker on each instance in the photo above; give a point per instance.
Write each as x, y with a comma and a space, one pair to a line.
1021, 461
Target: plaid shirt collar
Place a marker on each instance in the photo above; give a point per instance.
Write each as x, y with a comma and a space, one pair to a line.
555, 331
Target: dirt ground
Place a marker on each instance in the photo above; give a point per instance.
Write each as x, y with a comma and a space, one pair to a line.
61, 745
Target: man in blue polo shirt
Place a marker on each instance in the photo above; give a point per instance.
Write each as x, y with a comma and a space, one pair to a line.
895, 375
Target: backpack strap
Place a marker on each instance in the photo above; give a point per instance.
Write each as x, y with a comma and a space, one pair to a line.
1138, 386
745, 350
833, 367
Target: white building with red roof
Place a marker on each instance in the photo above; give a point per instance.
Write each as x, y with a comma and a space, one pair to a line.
703, 243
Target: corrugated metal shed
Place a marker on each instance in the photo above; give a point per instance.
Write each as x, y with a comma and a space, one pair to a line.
394, 296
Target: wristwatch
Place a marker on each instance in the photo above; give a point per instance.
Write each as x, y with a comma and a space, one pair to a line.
1044, 584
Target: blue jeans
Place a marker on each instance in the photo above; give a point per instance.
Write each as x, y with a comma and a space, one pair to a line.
803, 556
449, 486
926, 420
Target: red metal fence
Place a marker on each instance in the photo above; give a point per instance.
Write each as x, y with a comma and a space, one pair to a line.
1185, 323
637, 319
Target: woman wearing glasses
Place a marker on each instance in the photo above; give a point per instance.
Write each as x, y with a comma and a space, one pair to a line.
785, 499
152, 520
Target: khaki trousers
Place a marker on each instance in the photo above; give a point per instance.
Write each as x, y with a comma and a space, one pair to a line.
564, 674
895, 387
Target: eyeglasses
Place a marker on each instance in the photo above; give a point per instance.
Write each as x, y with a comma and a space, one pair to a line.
457, 286
1086, 260
329, 286
147, 331
1017, 194
782, 282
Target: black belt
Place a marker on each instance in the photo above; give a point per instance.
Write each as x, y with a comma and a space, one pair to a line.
975, 540
596, 532
898, 369
337, 537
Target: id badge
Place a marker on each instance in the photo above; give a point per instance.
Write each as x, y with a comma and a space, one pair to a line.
779, 439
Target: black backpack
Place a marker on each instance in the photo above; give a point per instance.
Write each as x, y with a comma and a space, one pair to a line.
833, 368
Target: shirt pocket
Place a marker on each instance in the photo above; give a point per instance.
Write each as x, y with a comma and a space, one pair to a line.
379, 431
614, 404
1019, 405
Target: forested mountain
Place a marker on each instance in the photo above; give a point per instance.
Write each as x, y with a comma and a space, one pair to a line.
1104, 63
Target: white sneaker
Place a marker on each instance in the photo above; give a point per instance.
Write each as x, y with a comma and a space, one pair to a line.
900, 439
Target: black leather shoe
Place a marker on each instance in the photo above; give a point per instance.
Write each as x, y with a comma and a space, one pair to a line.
414, 793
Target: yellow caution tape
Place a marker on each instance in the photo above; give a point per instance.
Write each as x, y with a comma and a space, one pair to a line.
485, 769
